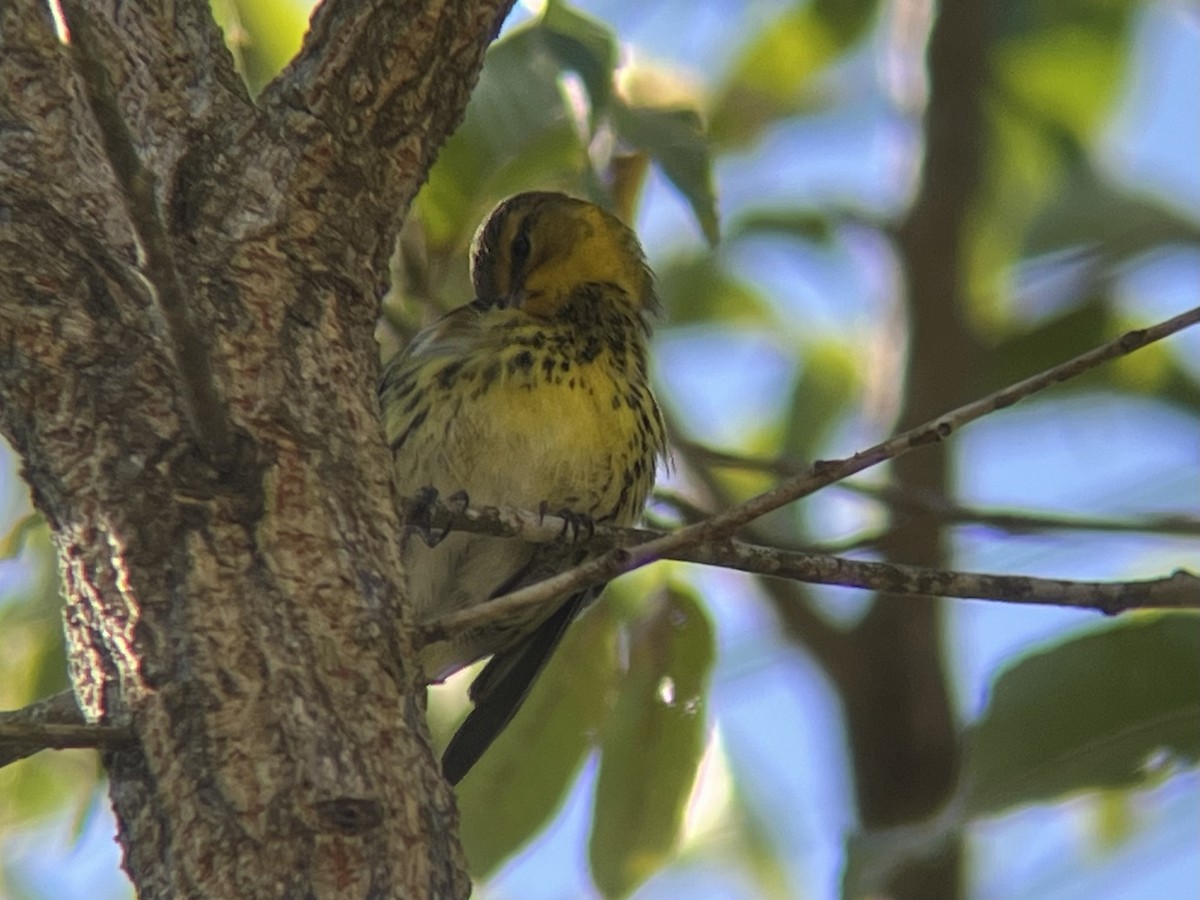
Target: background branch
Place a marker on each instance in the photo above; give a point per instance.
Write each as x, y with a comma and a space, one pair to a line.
916, 501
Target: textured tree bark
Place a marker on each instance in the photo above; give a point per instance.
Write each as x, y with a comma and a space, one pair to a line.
231, 571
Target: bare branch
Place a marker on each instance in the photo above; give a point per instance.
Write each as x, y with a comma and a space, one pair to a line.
822, 473
53, 723
1027, 521
1179, 591
800, 621
922, 502
48, 736
203, 406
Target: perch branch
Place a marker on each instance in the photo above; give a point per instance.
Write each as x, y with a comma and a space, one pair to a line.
623, 559
1178, 591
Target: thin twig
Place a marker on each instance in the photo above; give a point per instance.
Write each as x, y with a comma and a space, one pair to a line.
204, 409
822, 473
799, 619
912, 500
1178, 591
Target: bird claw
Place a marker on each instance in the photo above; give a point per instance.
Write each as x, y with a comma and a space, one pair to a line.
458, 502
425, 498
574, 523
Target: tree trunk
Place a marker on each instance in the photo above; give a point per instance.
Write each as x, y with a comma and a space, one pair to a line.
898, 707
189, 284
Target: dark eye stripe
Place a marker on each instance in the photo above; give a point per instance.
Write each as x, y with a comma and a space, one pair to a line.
519, 252
520, 249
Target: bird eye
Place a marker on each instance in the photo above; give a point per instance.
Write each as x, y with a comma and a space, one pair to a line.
520, 248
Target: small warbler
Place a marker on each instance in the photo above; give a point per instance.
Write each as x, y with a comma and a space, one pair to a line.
534, 395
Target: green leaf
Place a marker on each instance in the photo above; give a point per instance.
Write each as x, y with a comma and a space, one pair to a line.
521, 781
845, 20
699, 289
1022, 18
813, 226
262, 35
674, 138
1032, 349
1088, 714
1091, 212
1062, 62
1068, 76
14, 542
583, 45
652, 745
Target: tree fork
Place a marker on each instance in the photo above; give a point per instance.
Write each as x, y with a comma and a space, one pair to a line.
210, 461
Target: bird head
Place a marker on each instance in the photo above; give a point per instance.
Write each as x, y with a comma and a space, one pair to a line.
537, 250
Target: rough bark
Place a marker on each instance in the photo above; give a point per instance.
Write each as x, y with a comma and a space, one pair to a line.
231, 571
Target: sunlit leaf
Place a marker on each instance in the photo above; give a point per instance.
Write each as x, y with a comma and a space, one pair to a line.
1114, 820
263, 35
652, 745
1068, 75
1098, 711
46, 785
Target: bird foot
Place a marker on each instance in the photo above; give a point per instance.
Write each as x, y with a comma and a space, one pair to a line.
574, 523
426, 497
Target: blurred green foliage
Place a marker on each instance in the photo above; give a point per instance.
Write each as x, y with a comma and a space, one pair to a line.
1114, 708
559, 106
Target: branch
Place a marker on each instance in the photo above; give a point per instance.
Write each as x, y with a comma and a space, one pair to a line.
353, 123
622, 559
802, 623
1179, 591
913, 500
204, 409
57, 723
54, 723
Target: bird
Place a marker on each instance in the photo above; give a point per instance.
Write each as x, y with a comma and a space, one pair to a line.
536, 395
